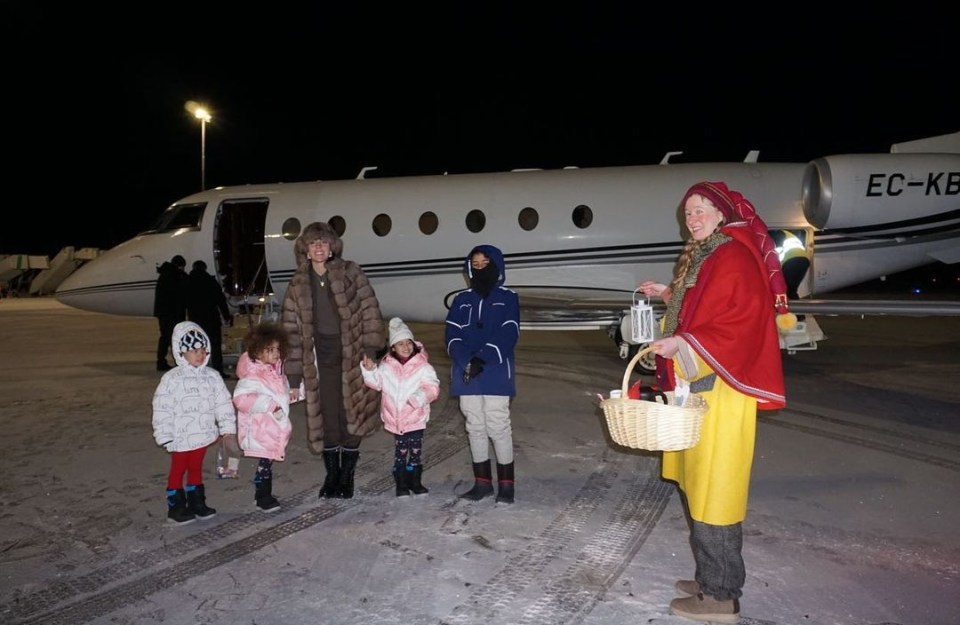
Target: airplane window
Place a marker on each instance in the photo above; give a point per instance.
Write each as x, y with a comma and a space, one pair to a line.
290, 228
582, 216
338, 224
476, 220
382, 224
528, 219
428, 223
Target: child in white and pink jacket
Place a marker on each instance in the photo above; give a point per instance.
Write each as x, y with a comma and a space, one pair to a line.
262, 398
408, 384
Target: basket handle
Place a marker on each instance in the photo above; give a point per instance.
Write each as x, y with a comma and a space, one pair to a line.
633, 363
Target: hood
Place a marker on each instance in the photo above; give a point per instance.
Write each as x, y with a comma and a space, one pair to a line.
495, 256
246, 366
179, 331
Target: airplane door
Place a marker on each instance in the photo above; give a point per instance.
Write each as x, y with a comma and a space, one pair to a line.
239, 251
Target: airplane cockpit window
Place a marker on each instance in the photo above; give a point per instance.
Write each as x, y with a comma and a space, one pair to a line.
582, 216
338, 224
528, 218
178, 216
429, 222
382, 224
476, 220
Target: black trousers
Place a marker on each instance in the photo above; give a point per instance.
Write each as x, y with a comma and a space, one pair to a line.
331, 393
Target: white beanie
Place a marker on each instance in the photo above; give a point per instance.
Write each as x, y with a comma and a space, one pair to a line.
399, 331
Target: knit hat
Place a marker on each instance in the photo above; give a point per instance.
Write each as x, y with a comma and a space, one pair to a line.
193, 339
737, 209
399, 331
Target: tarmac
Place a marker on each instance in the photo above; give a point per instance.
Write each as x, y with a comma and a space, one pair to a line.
852, 520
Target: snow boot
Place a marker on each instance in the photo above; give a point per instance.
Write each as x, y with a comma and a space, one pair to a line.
177, 511
400, 476
348, 464
505, 483
264, 496
414, 475
197, 500
331, 484
482, 482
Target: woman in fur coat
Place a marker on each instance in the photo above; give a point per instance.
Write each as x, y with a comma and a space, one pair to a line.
332, 319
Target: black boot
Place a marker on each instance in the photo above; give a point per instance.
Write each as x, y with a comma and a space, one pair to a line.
331, 484
414, 474
505, 483
177, 511
400, 476
482, 482
348, 463
264, 496
197, 500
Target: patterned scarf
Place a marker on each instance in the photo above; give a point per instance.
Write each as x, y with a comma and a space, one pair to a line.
700, 254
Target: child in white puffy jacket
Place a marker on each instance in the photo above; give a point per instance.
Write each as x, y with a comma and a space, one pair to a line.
408, 384
262, 397
191, 411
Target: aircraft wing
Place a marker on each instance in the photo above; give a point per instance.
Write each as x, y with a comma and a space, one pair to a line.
556, 308
902, 308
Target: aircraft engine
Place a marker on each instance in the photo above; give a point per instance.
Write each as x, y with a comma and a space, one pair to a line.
857, 190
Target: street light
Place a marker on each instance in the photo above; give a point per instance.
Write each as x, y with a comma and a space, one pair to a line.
203, 115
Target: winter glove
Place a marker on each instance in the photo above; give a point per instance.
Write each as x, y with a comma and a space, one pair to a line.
474, 368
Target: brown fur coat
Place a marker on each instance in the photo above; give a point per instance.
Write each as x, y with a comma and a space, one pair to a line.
361, 331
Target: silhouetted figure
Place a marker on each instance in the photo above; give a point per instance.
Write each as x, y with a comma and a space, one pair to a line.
169, 304
207, 307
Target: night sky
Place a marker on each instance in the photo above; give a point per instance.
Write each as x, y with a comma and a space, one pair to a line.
95, 126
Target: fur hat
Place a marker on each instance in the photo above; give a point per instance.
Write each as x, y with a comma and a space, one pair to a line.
399, 331
314, 232
737, 209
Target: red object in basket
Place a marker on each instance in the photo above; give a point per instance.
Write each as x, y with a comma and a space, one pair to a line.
646, 393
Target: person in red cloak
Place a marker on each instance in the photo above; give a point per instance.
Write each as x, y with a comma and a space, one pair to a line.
720, 338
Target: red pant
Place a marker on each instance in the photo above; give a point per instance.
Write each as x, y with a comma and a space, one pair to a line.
190, 462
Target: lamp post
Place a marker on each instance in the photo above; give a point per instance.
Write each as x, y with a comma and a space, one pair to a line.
203, 115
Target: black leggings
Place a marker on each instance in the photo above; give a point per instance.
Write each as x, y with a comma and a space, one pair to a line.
409, 445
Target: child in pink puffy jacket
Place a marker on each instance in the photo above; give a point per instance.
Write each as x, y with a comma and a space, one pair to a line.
262, 397
408, 384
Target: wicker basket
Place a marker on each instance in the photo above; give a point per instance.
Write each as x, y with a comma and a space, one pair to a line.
650, 425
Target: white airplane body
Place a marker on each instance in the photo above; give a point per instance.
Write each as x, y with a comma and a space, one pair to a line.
577, 242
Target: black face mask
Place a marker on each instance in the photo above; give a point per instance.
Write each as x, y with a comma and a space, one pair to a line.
484, 280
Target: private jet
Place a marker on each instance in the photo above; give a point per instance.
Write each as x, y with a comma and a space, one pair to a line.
577, 241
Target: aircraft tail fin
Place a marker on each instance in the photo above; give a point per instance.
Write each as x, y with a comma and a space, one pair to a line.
941, 144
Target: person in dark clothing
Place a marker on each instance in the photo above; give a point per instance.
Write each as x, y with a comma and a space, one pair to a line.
169, 304
207, 307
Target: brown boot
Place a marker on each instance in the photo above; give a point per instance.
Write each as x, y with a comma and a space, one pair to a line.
687, 587
701, 607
